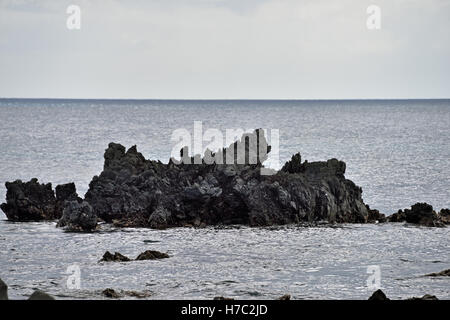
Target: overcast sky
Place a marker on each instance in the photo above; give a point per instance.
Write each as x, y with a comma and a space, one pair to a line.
225, 49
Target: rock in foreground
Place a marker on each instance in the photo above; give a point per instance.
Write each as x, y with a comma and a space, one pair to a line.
378, 296
78, 216
3, 290
40, 295
135, 192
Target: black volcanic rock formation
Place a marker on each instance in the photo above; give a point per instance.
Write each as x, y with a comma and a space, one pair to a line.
420, 214
32, 201
133, 191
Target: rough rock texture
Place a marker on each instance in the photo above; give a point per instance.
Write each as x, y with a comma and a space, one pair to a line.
152, 255
146, 255
378, 296
445, 215
3, 290
420, 214
133, 191
29, 201
32, 201
285, 297
375, 215
111, 293
40, 295
116, 257
78, 216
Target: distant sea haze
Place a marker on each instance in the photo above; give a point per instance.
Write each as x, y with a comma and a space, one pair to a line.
398, 151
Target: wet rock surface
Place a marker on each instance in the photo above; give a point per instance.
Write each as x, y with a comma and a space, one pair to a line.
135, 192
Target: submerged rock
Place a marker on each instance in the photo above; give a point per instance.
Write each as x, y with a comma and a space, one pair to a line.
135, 192
3, 290
40, 295
445, 273
425, 297
78, 216
222, 298
152, 255
378, 295
116, 257
420, 214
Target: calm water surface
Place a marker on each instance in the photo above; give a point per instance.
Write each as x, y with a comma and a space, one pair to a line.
397, 151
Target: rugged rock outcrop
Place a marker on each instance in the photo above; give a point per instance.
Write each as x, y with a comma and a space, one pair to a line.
152, 255
133, 191
32, 201
146, 255
116, 257
420, 214
375, 216
78, 216
445, 215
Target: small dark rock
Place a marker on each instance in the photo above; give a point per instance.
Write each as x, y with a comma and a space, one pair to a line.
3, 290
222, 298
375, 216
425, 297
285, 297
378, 295
116, 257
445, 273
40, 295
152, 255
111, 293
